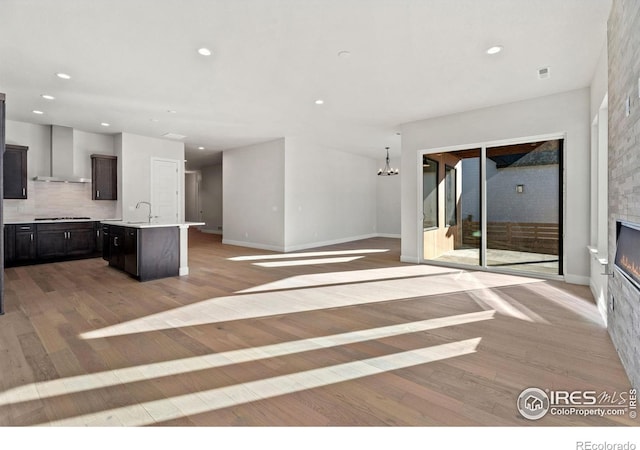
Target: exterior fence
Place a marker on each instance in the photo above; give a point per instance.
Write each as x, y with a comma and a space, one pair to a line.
521, 237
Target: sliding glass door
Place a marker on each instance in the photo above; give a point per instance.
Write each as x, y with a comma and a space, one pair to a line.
451, 195
497, 207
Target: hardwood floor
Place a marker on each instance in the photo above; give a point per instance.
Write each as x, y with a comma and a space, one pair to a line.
343, 335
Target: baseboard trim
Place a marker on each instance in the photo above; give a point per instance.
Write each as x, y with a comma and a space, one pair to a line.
210, 231
293, 248
409, 259
577, 279
274, 248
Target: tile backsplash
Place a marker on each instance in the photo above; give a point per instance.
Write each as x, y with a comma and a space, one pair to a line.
58, 200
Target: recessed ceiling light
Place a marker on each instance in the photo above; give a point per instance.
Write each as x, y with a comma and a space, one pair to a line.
200, 148
204, 51
105, 124
495, 49
47, 97
35, 111
319, 101
64, 76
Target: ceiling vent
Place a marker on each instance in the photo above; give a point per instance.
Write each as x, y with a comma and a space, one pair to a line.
544, 73
176, 136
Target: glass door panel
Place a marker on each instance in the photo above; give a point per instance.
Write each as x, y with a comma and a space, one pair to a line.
452, 234
523, 207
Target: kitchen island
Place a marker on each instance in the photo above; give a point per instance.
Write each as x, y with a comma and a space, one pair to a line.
147, 251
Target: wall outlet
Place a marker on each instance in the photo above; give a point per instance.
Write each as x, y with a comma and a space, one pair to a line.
627, 107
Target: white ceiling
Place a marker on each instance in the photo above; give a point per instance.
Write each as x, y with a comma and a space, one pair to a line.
132, 61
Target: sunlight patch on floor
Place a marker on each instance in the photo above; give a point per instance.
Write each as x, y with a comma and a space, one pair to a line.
572, 303
98, 380
222, 309
210, 400
349, 276
505, 305
308, 254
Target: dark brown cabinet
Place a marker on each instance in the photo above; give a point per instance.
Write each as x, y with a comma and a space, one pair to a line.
24, 244
131, 251
65, 240
144, 253
31, 243
106, 242
15, 171
116, 247
104, 177
97, 227
9, 244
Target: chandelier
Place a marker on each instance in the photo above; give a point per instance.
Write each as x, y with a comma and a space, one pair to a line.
387, 171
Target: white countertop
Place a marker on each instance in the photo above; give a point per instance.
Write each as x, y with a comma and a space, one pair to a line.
150, 225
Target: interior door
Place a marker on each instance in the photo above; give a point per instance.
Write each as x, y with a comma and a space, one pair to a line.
165, 190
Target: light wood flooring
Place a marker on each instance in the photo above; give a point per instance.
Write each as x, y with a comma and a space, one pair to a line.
343, 335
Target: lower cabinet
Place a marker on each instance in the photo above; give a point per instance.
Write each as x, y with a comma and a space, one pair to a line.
144, 253
131, 251
32, 243
116, 247
65, 240
106, 242
19, 244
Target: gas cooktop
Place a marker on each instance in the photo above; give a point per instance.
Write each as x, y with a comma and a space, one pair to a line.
63, 218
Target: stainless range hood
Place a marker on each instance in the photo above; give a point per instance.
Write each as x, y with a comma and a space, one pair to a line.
62, 167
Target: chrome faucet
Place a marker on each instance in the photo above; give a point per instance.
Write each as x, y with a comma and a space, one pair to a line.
148, 204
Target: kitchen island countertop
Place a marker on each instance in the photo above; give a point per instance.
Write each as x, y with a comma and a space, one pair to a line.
124, 223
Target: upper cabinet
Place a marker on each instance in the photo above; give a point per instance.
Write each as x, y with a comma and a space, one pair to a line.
104, 177
15, 171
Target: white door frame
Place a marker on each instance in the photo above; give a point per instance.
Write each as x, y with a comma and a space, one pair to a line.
483, 202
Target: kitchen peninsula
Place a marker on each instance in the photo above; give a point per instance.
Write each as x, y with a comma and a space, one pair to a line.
146, 250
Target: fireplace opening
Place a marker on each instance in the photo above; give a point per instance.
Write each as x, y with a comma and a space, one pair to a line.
627, 259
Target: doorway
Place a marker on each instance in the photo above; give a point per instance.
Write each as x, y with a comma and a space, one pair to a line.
165, 189
192, 210
496, 206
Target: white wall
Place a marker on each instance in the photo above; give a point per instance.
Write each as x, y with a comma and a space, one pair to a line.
211, 198
330, 195
253, 195
388, 205
134, 169
599, 217
86, 144
38, 139
561, 113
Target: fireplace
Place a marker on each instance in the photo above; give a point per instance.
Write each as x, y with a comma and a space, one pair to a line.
627, 259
